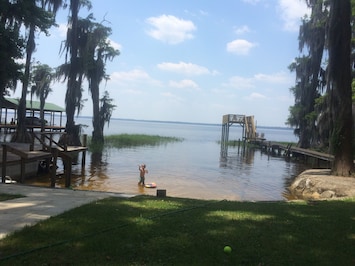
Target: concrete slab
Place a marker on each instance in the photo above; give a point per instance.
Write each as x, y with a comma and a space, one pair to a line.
41, 203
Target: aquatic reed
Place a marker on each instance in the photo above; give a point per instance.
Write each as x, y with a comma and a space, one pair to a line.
131, 140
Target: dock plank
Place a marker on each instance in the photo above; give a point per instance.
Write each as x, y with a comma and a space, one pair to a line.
289, 149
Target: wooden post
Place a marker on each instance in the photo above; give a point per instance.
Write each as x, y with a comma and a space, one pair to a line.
51, 140
161, 193
4, 159
68, 166
65, 142
23, 161
43, 140
224, 139
83, 159
54, 166
32, 144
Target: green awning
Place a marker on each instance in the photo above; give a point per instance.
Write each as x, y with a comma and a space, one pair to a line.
12, 103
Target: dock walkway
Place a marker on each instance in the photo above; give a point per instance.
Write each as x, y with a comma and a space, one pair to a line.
291, 151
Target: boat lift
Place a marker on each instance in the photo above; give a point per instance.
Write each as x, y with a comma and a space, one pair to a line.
246, 122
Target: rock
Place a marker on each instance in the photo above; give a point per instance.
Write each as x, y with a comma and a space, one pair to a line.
327, 194
319, 184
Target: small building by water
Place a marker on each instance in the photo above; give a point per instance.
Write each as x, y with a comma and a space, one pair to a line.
9, 116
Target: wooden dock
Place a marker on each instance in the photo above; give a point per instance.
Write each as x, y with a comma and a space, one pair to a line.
43, 147
294, 152
64, 151
20, 155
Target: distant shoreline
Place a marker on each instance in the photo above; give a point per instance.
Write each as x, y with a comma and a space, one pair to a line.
171, 122
184, 123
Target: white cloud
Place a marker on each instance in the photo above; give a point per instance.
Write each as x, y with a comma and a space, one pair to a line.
184, 68
134, 92
241, 30
238, 82
59, 31
135, 76
291, 13
170, 29
256, 96
115, 45
277, 78
62, 29
240, 47
253, 2
171, 97
185, 83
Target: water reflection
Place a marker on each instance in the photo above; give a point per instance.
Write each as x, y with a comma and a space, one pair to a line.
245, 175
96, 172
192, 168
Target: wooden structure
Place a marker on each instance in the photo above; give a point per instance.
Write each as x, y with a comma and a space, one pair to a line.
67, 153
295, 152
19, 154
8, 115
246, 122
43, 147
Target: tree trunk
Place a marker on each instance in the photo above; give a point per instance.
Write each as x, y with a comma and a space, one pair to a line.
71, 129
41, 115
74, 81
21, 134
340, 82
97, 134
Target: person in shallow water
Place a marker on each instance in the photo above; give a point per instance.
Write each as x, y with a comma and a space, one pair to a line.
142, 172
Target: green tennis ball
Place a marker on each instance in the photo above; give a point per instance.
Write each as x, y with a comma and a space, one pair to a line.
227, 249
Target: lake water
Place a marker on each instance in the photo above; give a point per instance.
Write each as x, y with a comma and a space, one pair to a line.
192, 168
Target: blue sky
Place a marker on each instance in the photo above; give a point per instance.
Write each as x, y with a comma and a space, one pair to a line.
192, 61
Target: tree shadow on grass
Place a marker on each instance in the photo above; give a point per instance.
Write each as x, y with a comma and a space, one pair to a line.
171, 231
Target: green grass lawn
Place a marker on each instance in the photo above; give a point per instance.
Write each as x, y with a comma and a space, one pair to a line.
172, 231
4, 197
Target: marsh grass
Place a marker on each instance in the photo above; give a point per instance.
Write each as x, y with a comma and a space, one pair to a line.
132, 140
234, 143
173, 231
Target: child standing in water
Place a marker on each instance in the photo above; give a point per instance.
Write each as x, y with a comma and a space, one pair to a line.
142, 172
